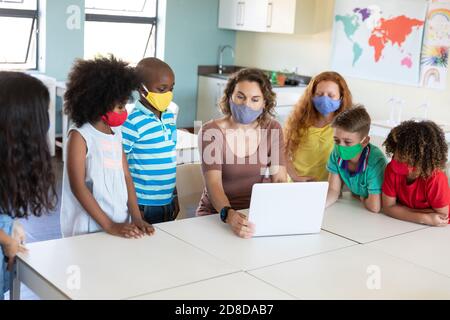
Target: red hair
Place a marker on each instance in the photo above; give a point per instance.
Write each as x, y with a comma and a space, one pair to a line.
305, 115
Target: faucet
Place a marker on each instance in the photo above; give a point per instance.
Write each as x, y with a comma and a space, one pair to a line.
221, 50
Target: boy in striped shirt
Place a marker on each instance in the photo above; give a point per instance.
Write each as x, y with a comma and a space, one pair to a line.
149, 140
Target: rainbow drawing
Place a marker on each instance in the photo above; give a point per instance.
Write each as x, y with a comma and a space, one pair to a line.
441, 12
435, 56
432, 74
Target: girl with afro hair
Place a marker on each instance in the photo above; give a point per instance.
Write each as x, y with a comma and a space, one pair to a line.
98, 191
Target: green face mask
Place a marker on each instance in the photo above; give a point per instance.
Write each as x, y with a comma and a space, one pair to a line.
349, 152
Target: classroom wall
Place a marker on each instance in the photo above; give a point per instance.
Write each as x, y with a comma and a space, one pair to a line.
61, 41
64, 37
192, 39
311, 54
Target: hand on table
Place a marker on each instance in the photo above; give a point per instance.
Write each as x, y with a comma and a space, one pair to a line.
144, 226
11, 248
240, 225
125, 230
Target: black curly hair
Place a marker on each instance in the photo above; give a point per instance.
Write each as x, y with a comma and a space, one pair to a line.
96, 86
27, 180
419, 144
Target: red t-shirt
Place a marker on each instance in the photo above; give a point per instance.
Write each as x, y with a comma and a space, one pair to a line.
432, 192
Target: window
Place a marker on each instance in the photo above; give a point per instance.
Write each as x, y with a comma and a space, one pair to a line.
125, 28
18, 34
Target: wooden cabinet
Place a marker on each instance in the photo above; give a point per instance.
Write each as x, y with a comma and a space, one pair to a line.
210, 90
248, 15
230, 14
254, 15
258, 15
287, 97
281, 16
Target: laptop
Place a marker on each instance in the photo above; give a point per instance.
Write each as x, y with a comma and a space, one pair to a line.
287, 208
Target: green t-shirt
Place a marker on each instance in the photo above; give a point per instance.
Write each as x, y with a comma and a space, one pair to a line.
371, 167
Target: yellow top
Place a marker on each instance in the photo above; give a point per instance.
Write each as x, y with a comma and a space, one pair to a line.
312, 154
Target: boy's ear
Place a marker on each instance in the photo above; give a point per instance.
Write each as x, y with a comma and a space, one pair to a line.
366, 141
141, 91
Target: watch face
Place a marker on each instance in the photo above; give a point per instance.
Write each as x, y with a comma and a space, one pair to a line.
223, 214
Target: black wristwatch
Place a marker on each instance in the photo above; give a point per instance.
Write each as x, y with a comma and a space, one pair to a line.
224, 213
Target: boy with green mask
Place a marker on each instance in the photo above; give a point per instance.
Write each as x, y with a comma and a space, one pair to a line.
354, 161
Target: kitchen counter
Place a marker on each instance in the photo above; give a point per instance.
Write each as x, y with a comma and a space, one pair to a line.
212, 72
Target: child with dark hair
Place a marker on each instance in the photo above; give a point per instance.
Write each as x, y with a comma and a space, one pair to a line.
149, 141
415, 186
354, 161
98, 191
26, 176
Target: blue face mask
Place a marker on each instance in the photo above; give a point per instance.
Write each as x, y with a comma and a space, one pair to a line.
325, 104
244, 114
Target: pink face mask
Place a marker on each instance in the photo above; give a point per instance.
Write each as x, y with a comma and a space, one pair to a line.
115, 119
400, 168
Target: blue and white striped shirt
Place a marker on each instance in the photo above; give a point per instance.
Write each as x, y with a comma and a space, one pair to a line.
149, 143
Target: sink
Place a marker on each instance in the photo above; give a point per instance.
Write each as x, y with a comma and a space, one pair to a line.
212, 71
225, 76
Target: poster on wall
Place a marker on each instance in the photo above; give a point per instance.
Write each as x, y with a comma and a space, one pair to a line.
379, 39
436, 45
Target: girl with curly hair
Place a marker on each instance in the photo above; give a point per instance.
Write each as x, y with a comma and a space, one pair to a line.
308, 133
26, 176
415, 187
98, 191
241, 149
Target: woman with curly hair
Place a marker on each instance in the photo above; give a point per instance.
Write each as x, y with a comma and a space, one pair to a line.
26, 176
415, 187
98, 191
240, 149
308, 133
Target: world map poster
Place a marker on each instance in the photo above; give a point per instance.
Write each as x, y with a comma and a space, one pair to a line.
379, 39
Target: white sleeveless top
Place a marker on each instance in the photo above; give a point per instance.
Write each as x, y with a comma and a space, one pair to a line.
104, 178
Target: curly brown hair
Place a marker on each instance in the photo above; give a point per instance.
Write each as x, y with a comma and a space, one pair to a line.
27, 180
305, 115
251, 75
421, 145
96, 86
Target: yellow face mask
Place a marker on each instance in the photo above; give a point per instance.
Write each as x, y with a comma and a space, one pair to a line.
160, 101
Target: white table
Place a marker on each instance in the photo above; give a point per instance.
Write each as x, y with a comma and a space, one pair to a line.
356, 272
112, 267
211, 235
427, 248
348, 218
239, 286
202, 258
